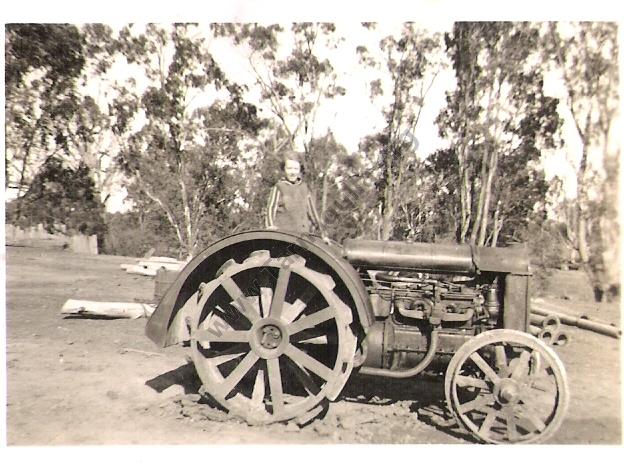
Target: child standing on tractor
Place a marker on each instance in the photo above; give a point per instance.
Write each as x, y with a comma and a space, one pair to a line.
291, 205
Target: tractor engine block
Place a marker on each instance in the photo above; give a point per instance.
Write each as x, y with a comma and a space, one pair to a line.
409, 305
454, 302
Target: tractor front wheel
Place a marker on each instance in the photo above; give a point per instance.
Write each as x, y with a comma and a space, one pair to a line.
505, 386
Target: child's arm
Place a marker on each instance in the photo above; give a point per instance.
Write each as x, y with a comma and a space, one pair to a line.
314, 216
272, 208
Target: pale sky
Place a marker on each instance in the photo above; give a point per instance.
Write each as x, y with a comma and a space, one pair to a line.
352, 116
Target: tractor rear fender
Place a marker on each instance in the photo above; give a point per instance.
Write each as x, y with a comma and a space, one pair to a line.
319, 256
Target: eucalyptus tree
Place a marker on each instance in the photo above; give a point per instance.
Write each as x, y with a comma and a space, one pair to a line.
498, 121
183, 157
585, 57
407, 64
51, 109
42, 65
292, 69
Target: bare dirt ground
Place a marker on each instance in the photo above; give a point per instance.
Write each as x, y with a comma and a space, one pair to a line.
94, 381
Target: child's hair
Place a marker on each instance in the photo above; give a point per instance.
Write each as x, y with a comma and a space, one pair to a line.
293, 156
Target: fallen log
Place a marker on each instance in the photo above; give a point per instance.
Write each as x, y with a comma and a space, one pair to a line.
136, 269
108, 309
582, 322
161, 259
170, 266
149, 268
152, 263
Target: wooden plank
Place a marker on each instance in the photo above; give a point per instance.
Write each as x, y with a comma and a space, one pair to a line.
166, 265
114, 309
161, 259
136, 269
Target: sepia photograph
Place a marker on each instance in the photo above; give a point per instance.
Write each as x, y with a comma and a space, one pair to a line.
243, 230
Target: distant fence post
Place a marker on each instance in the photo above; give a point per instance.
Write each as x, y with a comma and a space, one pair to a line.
84, 244
93, 246
79, 243
9, 230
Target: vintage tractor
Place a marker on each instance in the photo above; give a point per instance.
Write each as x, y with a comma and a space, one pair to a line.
277, 322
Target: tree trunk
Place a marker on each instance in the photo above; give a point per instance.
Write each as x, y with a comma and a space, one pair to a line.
581, 199
188, 244
488, 196
497, 225
387, 214
166, 210
324, 193
476, 226
25, 161
479, 232
465, 203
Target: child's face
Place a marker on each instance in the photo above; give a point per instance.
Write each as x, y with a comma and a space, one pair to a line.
292, 169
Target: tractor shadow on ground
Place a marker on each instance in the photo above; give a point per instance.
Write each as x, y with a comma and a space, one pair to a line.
185, 376
425, 394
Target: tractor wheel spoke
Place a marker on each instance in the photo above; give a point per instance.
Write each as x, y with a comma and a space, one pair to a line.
312, 320
533, 418
522, 367
307, 361
488, 422
275, 383
226, 336
239, 297
501, 357
304, 377
238, 373
512, 428
476, 404
468, 381
279, 296
257, 395
485, 367
292, 312
266, 297
223, 358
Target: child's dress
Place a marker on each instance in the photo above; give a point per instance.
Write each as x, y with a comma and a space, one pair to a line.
291, 207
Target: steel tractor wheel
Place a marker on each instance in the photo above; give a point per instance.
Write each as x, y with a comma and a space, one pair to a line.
506, 386
271, 341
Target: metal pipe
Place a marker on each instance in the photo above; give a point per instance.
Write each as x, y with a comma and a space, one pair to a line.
411, 372
551, 322
581, 323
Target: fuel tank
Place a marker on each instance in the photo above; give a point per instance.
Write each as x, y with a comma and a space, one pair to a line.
434, 257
